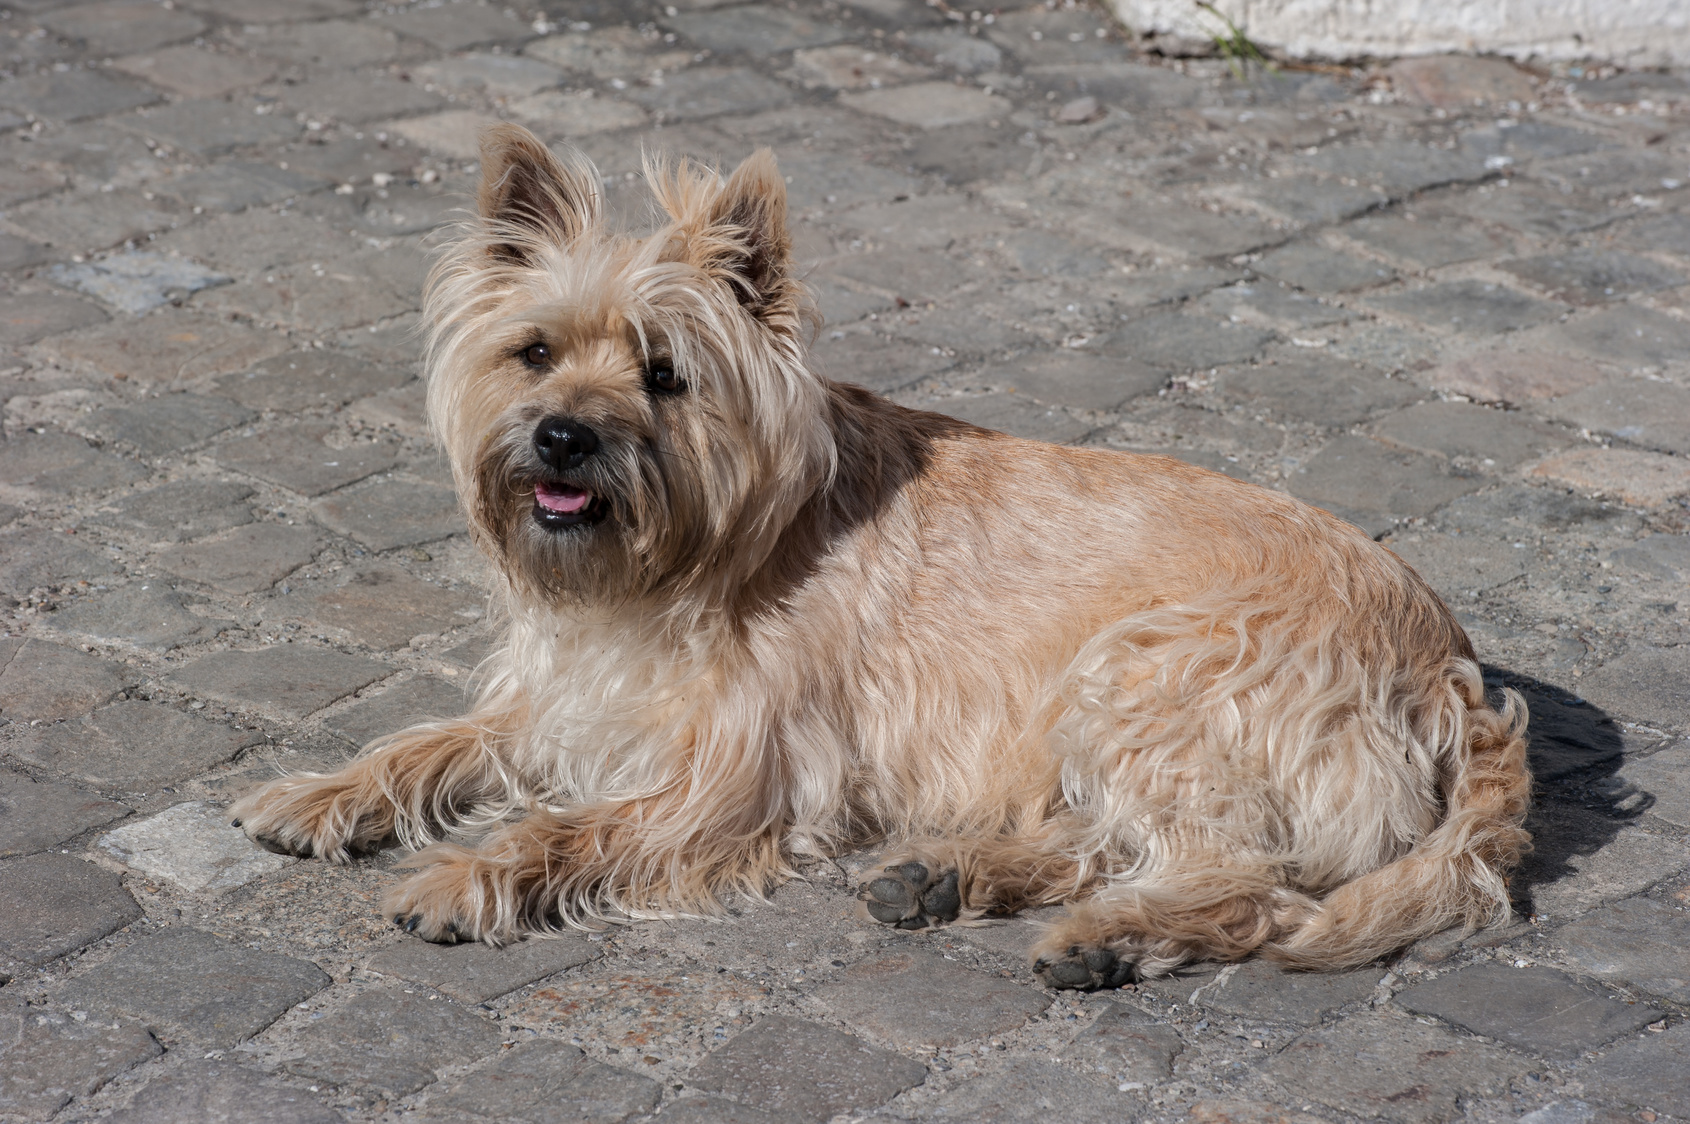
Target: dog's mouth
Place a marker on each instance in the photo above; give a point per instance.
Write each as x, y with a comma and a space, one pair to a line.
558, 506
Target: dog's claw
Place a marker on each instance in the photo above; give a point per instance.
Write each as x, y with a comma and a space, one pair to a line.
1085, 968
234, 823
910, 896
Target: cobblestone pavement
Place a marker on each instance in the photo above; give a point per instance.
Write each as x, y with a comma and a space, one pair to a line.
1447, 300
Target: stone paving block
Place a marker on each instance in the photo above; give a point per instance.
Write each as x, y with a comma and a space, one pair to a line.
349, 42
404, 704
1317, 269
1299, 199
1666, 556
194, 846
57, 462
218, 1092
181, 510
214, 991
1588, 277
754, 28
137, 280
56, 1059
1629, 334
1513, 376
1426, 243
146, 614
919, 1000
914, 276
1648, 1070
1178, 342
1631, 477
1358, 474
393, 513
1029, 1091
1126, 85
211, 126
1395, 167
1257, 989
455, 26
27, 317
169, 346
1536, 1010
94, 223
293, 679
606, 52
929, 105
299, 380
388, 1042
475, 972
384, 606
251, 558
1665, 777
1159, 227
57, 904
358, 98
797, 1070
850, 67
1469, 306
1321, 390
1456, 81
1461, 564
714, 1110
42, 680
238, 185
1583, 860
1494, 438
1655, 415
954, 50
21, 184
561, 114
73, 95
544, 1081
1124, 1045
132, 745
875, 361
346, 159
35, 815
1080, 378
157, 426
1567, 738
707, 91
1268, 304
39, 557
1641, 941
20, 253
1391, 1068
264, 12
123, 25
196, 72
1013, 414
297, 458
1145, 288
500, 76
1048, 255
356, 289
1646, 683
1658, 233
1055, 36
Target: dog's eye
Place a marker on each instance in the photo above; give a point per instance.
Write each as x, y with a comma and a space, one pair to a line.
661, 377
539, 355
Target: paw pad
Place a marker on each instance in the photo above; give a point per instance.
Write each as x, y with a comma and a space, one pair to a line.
912, 896
1085, 968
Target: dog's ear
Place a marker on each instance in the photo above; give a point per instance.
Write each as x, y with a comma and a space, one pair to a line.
748, 219
528, 191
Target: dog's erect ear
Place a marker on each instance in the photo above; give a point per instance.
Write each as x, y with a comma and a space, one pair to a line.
748, 219
525, 186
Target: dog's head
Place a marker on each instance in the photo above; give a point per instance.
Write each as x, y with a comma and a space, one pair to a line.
626, 416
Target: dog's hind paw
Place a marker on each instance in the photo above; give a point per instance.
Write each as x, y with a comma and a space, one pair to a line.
912, 895
1085, 968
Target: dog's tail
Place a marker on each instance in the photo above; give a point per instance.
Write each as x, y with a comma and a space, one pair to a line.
1456, 874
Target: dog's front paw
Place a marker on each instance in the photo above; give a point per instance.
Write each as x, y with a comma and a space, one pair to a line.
1085, 967
447, 901
309, 816
912, 895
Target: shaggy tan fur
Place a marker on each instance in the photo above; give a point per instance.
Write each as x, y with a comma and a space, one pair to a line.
798, 618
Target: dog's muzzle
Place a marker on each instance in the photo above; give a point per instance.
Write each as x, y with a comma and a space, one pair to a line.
563, 444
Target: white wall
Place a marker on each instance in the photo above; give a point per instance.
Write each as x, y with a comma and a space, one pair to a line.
1632, 32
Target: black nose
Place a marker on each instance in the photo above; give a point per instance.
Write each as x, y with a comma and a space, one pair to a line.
563, 443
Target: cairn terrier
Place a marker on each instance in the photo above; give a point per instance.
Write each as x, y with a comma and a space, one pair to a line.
752, 615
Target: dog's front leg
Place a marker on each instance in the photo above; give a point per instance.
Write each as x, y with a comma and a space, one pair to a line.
408, 785
609, 860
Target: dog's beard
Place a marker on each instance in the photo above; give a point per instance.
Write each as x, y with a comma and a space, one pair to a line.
631, 517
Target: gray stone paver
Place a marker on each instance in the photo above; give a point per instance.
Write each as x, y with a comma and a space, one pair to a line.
1461, 324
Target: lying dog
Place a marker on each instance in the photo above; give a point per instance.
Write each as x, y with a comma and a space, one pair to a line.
752, 614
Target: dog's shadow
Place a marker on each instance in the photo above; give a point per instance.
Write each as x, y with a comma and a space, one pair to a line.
1578, 804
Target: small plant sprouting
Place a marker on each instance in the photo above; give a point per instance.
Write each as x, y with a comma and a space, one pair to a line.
1234, 46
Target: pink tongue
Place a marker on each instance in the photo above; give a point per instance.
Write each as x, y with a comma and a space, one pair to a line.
561, 498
